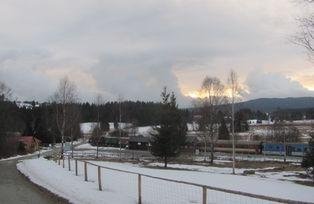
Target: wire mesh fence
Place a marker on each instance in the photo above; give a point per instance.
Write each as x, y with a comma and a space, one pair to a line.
148, 189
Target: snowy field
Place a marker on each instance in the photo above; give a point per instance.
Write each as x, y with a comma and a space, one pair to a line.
120, 187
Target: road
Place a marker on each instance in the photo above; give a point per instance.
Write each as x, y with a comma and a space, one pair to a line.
16, 189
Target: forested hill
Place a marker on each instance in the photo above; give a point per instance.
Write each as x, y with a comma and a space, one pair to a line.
273, 104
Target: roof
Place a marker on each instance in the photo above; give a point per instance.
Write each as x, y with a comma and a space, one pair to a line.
28, 139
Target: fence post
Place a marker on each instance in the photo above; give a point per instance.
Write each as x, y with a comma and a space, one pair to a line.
69, 163
85, 170
63, 165
76, 167
204, 195
99, 178
139, 189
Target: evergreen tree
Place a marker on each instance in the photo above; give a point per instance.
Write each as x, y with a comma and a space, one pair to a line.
223, 133
240, 123
308, 160
171, 132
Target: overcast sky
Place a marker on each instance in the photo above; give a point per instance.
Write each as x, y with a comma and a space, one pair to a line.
134, 48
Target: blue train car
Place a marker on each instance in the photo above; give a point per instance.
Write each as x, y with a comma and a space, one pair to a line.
273, 148
292, 149
297, 149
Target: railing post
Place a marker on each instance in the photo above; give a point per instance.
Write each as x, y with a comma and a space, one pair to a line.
76, 167
204, 195
59, 161
99, 178
139, 189
69, 163
63, 165
85, 170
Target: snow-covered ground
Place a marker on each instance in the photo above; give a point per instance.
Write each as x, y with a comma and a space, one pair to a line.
88, 146
120, 187
26, 155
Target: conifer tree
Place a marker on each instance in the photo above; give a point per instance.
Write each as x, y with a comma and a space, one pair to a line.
223, 133
171, 132
308, 160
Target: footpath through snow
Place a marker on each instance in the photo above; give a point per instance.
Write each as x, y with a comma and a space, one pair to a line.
120, 187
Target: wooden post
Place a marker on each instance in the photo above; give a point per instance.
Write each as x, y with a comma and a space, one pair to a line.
139, 189
69, 163
76, 173
99, 178
63, 165
204, 195
85, 170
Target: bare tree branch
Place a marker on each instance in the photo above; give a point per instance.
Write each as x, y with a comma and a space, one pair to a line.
210, 105
5, 92
65, 95
305, 36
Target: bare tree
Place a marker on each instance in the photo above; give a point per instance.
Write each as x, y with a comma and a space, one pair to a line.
284, 133
5, 92
65, 95
279, 135
199, 130
99, 101
120, 100
305, 36
210, 105
234, 93
73, 119
133, 132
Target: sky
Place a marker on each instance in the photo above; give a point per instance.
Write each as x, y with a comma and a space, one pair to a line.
132, 49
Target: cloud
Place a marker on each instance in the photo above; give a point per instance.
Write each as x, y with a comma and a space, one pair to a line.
133, 49
306, 80
274, 85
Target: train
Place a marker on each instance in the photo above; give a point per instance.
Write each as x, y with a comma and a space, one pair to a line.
256, 147
193, 144
292, 149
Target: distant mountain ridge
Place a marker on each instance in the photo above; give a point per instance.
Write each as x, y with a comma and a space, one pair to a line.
272, 104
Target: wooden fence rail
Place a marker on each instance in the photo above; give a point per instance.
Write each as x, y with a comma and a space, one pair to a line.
203, 187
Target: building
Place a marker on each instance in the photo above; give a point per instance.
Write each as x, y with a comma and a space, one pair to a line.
30, 143
139, 143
